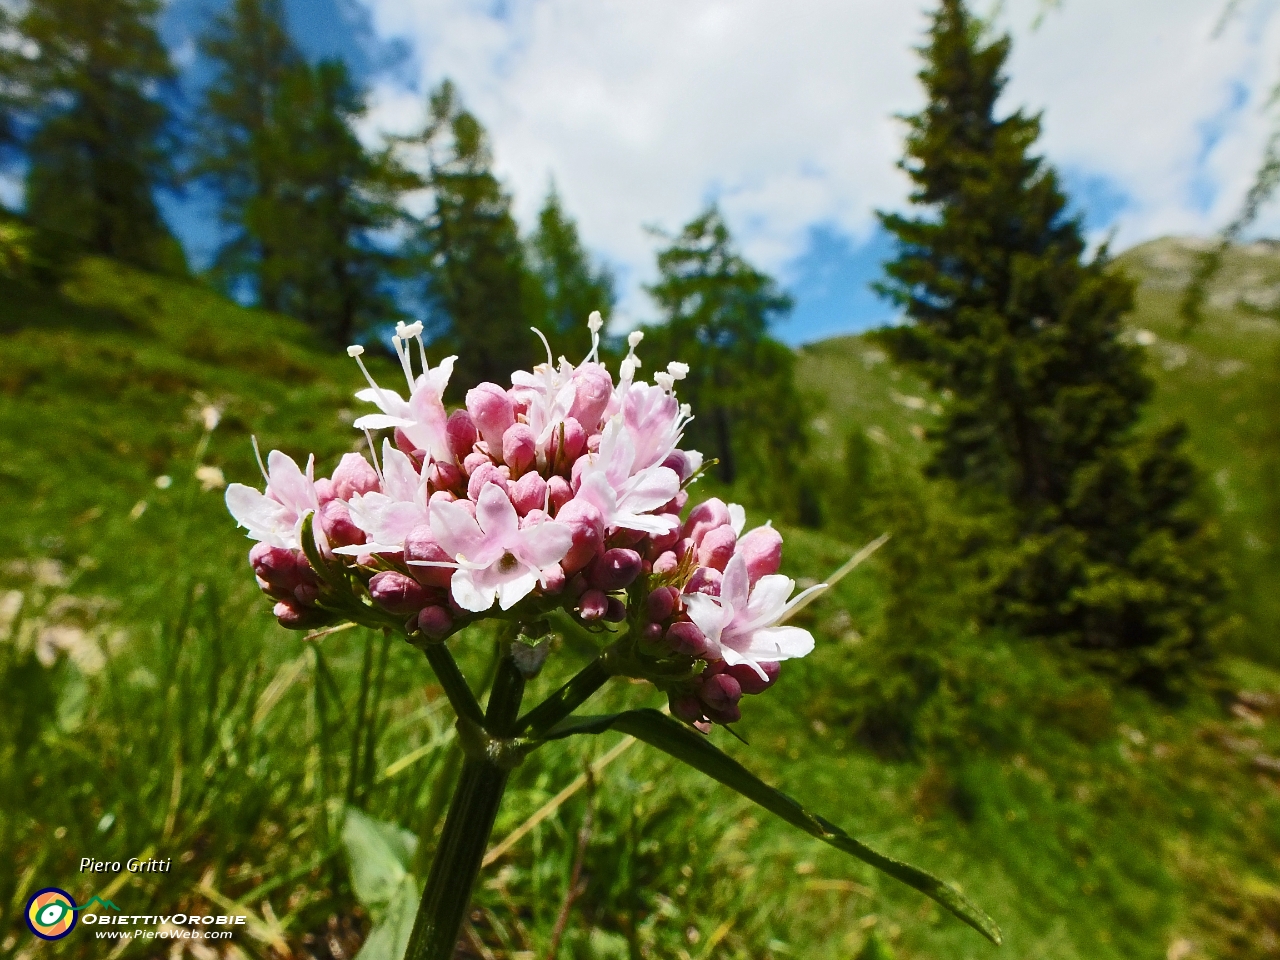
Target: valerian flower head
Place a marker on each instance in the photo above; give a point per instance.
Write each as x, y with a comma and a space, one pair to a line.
564, 491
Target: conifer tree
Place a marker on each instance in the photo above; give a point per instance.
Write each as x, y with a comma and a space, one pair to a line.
718, 309
330, 200
1024, 333
251, 52
569, 287
94, 91
477, 280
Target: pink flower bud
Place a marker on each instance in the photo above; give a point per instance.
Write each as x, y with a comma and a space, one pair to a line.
651, 633
660, 543
461, 431
441, 496
705, 517
293, 617
529, 493
661, 603
593, 389
626, 538
752, 682
685, 639
761, 548
533, 518
474, 461
396, 593
324, 490
587, 526
306, 593
519, 448
716, 548
338, 527
666, 564
687, 708
720, 691
686, 549
705, 580
575, 442
421, 545
593, 443
435, 622
575, 472
282, 569
469, 506
553, 580
675, 504
593, 606
354, 475
616, 612
561, 492
492, 411
485, 473
614, 569
445, 475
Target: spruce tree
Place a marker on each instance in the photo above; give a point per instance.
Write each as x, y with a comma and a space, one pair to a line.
477, 281
718, 309
330, 200
1023, 332
94, 91
569, 286
251, 53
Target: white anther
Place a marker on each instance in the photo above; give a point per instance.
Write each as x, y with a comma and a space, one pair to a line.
627, 369
634, 338
595, 322
355, 350
664, 380
677, 370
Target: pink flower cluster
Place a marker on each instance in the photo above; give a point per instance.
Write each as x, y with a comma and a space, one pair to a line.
563, 491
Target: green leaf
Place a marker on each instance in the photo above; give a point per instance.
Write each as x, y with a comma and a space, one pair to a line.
389, 938
674, 738
380, 854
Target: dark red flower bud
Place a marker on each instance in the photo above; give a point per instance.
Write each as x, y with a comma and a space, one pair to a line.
435, 622
614, 569
686, 639
661, 603
752, 682
705, 517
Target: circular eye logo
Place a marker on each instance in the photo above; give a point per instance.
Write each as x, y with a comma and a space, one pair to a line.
51, 913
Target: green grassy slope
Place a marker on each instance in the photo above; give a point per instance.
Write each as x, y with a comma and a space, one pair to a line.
151, 703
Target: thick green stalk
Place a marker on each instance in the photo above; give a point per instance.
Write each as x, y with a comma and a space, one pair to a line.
470, 821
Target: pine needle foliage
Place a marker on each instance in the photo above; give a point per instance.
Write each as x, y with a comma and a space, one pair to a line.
718, 309
1111, 548
477, 281
94, 92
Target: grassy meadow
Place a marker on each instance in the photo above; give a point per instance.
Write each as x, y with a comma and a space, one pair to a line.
152, 707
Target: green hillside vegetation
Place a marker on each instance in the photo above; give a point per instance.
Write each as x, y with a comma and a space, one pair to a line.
153, 707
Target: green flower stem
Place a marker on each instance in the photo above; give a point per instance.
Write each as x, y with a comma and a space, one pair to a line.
455, 684
471, 813
567, 699
457, 861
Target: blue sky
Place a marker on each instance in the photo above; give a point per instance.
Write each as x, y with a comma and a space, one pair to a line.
642, 112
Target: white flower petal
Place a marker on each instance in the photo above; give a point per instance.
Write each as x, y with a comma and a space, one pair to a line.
380, 421
707, 614
779, 643
737, 518
470, 595
455, 529
736, 585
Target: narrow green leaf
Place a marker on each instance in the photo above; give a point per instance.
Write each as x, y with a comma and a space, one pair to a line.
674, 738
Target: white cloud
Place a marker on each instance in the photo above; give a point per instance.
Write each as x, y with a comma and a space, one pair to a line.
643, 111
